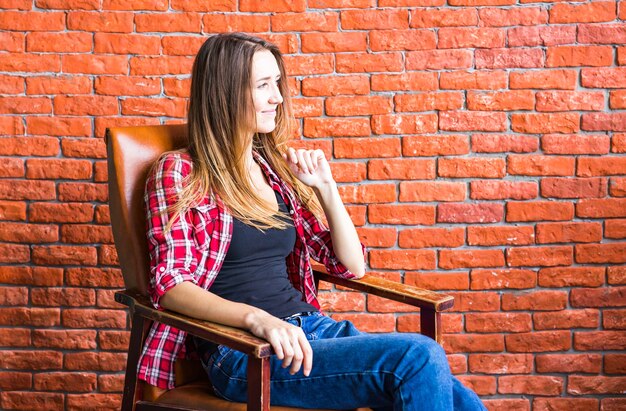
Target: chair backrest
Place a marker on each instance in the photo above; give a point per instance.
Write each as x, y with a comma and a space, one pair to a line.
131, 153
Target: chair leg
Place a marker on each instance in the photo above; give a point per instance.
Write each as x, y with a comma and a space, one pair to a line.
430, 324
134, 350
258, 384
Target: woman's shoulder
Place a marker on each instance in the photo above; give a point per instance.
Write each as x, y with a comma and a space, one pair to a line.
178, 161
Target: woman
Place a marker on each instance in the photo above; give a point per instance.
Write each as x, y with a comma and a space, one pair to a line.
232, 224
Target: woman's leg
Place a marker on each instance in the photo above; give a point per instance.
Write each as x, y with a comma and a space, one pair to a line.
352, 369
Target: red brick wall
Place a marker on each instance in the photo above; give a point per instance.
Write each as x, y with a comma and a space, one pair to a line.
479, 143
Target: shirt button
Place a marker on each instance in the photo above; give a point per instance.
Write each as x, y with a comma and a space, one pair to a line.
162, 269
291, 211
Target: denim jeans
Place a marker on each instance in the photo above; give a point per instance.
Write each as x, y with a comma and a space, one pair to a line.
352, 369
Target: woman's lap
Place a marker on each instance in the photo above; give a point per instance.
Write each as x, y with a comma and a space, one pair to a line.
350, 369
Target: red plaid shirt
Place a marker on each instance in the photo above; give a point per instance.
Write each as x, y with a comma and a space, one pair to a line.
195, 247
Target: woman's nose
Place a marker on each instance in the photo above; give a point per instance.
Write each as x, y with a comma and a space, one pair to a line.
276, 97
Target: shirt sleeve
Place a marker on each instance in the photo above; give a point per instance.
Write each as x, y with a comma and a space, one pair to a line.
172, 253
320, 246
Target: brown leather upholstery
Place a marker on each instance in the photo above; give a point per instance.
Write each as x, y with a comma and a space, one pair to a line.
132, 151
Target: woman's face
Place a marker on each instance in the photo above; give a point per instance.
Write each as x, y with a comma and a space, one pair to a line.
265, 92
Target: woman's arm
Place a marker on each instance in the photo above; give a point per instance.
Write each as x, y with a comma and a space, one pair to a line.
312, 168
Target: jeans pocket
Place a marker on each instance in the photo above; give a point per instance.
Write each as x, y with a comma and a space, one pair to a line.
223, 352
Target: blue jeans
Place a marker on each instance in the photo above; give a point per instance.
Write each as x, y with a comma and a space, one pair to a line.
352, 369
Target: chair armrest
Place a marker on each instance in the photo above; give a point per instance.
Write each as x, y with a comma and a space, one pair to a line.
235, 338
392, 290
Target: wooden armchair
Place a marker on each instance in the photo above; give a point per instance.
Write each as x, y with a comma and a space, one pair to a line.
131, 152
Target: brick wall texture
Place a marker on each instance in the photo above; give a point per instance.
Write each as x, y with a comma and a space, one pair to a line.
479, 145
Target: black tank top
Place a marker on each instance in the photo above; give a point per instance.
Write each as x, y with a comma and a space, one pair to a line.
254, 271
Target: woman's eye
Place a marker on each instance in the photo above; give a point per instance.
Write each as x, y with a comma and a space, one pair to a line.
264, 85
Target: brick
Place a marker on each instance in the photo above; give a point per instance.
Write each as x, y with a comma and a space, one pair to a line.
175, 87
31, 275
357, 214
366, 147
84, 148
14, 381
472, 121
436, 145
469, 213
369, 322
432, 191
539, 256
111, 383
31, 400
548, 79
114, 340
12, 167
601, 253
581, 385
498, 322
471, 167
401, 214
451, 259
74, 84
481, 385
597, 208
538, 165
405, 124
613, 404
384, 40
12, 210
348, 172
65, 339
495, 235
87, 234
475, 80
335, 85
569, 101
341, 4
321, 22
529, 16
507, 404
614, 363
115, 43
26, 190
169, 107
545, 123
569, 232
575, 144
566, 319
64, 255
401, 169
333, 42
85, 105
168, 22
365, 62
617, 99
501, 363
530, 384
336, 127
162, 65
377, 304
461, 343
568, 363
128, 86
584, 13
604, 121
470, 37
501, 190
601, 33
538, 341
458, 363
59, 126
72, 42
28, 233
100, 21
31, 360
63, 297
156, 5
575, 56
430, 17
607, 165
439, 60
13, 296
14, 337
405, 81
501, 100
309, 64
102, 123
287, 43
438, 280
107, 255
616, 275
535, 301
571, 277
358, 105
99, 401
615, 229
43, 317
65, 381
529, 36
13, 42
342, 301
613, 319
279, 6
598, 297
13, 253
377, 237
431, 237
502, 58
67, 212
12, 85
94, 277
483, 301
374, 19
602, 77
563, 404
58, 169
79, 192
370, 193
65, 4
600, 340
25, 105
428, 101
501, 279
402, 259
32, 21
92, 318
11, 126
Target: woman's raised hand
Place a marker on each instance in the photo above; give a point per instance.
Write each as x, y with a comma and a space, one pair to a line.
309, 166
287, 340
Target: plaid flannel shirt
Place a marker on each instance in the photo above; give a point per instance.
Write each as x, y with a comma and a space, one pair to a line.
195, 247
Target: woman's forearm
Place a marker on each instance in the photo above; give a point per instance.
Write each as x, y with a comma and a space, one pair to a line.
345, 239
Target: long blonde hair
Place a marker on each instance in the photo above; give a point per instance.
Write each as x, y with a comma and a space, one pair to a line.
219, 118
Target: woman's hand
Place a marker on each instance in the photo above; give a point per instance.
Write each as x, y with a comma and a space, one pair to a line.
287, 340
309, 166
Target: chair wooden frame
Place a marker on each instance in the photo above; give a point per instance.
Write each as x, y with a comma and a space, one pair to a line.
124, 197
